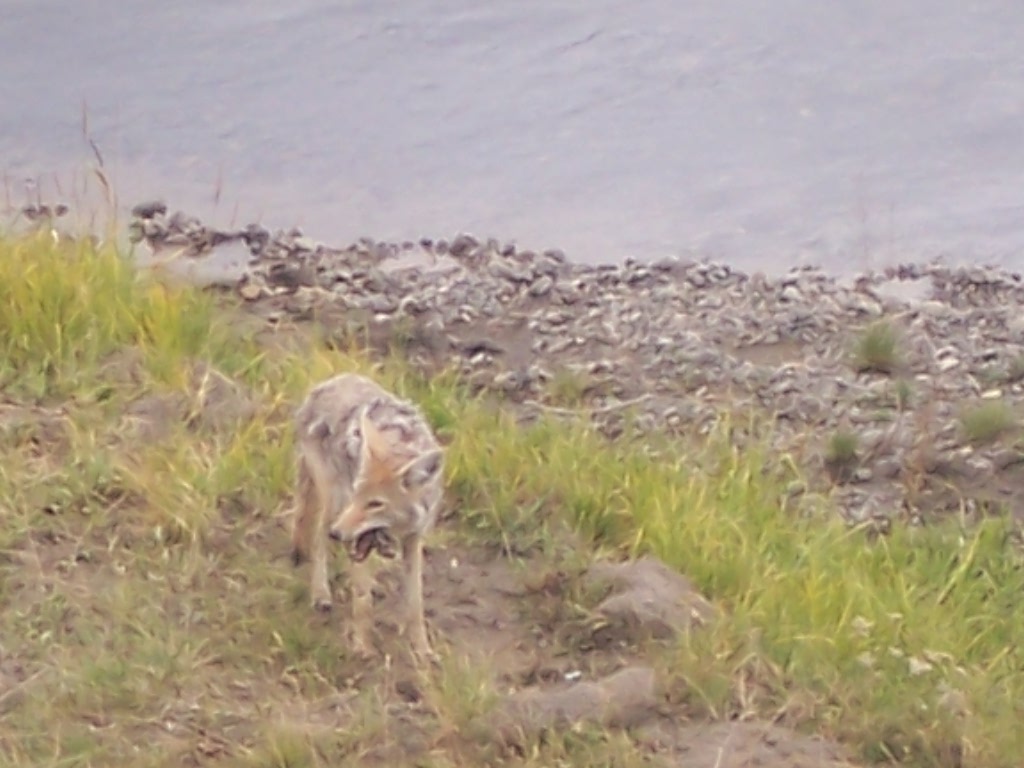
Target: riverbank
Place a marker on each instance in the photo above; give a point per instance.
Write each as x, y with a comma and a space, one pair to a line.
899, 394
147, 457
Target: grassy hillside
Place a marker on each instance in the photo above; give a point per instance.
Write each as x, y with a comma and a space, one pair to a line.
149, 614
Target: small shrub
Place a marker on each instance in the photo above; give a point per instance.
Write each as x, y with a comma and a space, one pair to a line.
1015, 370
877, 349
841, 455
904, 394
569, 387
988, 422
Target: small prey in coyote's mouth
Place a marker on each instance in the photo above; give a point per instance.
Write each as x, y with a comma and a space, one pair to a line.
374, 539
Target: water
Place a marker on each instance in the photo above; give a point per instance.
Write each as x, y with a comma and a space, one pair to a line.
763, 132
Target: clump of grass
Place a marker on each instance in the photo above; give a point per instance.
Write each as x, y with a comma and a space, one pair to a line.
569, 386
1015, 370
464, 697
841, 455
403, 334
842, 447
904, 395
877, 349
66, 306
987, 422
352, 332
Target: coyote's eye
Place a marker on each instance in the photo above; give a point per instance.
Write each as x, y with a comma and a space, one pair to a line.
374, 505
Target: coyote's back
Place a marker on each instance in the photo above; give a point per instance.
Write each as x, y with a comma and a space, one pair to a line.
369, 474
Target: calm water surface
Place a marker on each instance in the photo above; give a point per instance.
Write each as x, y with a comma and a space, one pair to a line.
764, 132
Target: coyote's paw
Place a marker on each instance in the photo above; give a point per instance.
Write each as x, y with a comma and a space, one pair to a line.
322, 604
425, 656
362, 649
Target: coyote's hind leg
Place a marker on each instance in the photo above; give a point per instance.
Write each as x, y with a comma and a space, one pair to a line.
304, 513
311, 526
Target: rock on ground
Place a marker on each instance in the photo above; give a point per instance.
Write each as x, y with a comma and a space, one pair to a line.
647, 598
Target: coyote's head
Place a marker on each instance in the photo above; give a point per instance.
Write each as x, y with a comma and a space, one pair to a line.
391, 493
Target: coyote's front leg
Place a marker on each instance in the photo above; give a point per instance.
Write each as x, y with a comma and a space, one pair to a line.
316, 503
361, 637
415, 625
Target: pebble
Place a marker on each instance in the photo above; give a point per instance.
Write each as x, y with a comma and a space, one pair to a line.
149, 209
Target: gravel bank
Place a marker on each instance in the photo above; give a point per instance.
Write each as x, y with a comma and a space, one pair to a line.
900, 392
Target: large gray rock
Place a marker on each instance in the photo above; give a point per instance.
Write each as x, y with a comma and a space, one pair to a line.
624, 699
647, 599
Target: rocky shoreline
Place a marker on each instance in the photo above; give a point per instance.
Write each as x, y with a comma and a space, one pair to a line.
669, 345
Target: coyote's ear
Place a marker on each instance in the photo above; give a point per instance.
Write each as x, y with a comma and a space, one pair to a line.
318, 430
373, 441
420, 471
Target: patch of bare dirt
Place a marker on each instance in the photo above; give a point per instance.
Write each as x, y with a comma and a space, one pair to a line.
15, 681
45, 429
774, 355
739, 745
124, 368
473, 603
555, 671
211, 400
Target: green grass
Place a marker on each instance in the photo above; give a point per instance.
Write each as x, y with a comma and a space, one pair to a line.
987, 422
150, 616
904, 395
569, 387
877, 349
1015, 370
841, 454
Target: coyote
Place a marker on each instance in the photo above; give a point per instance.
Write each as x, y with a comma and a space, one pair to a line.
370, 475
